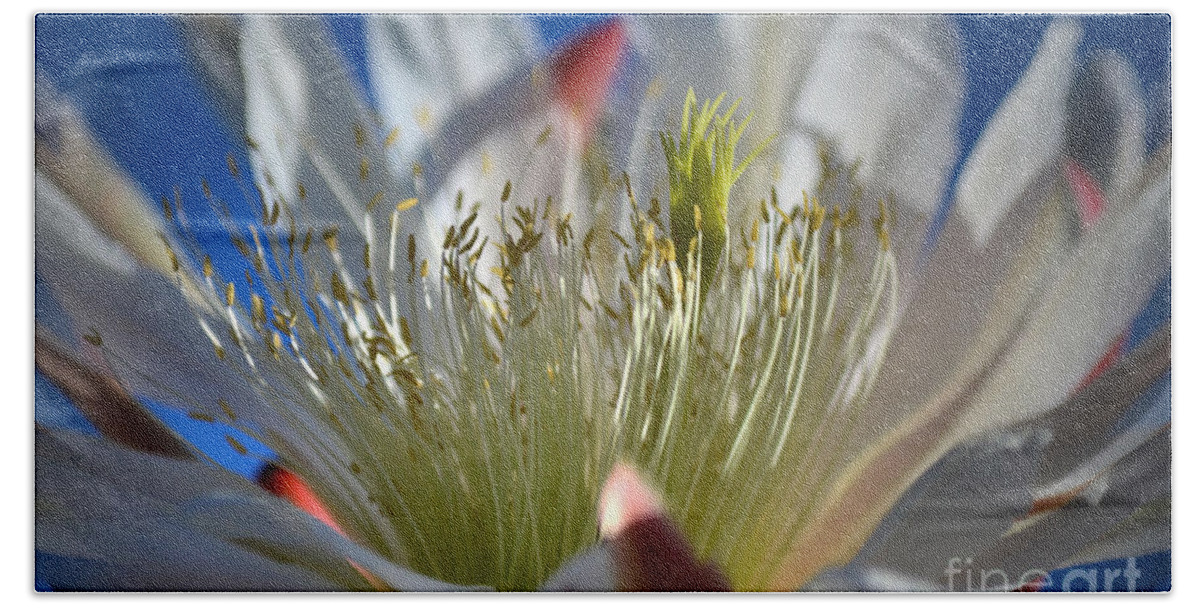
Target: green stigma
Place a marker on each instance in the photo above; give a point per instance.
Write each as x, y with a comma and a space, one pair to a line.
702, 168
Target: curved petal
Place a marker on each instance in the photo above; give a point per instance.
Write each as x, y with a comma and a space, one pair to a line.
884, 90
275, 529
952, 296
1105, 127
1033, 219
992, 515
1028, 358
1089, 299
1025, 135
149, 333
111, 519
423, 65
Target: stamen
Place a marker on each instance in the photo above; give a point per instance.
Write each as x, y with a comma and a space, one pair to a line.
462, 426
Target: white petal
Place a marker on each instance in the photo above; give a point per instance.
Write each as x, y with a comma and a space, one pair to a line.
887, 90
1031, 354
1089, 299
423, 66
311, 126
774, 54
950, 321
276, 99
151, 337
1024, 136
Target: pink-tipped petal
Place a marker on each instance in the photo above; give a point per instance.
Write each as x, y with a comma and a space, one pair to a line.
1106, 361
625, 500
584, 69
290, 487
649, 551
1089, 198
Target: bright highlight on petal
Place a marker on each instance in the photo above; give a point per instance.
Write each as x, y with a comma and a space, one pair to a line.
625, 500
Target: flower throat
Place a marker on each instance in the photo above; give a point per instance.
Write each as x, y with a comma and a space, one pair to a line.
461, 418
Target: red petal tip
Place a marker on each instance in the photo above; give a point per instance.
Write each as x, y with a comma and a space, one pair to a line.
1089, 197
584, 68
290, 487
625, 500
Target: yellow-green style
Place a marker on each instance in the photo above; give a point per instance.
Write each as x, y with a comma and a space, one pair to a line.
701, 170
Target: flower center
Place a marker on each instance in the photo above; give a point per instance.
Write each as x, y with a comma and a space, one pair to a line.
462, 419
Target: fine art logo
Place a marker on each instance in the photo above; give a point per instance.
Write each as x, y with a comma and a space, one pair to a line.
964, 575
